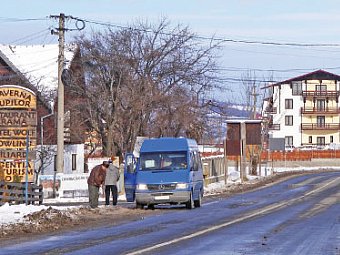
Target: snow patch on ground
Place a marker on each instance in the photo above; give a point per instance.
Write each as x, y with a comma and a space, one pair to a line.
16, 213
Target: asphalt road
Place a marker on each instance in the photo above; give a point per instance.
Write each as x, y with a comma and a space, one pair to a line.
297, 216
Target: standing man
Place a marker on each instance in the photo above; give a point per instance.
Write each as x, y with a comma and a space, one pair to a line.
95, 180
111, 179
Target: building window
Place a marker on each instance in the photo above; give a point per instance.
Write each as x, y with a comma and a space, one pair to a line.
320, 121
289, 120
320, 87
331, 139
320, 140
288, 141
289, 104
321, 105
74, 162
310, 139
297, 88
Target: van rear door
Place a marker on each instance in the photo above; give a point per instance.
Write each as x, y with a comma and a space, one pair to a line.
130, 172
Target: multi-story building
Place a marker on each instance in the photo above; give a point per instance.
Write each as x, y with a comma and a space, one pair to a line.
304, 110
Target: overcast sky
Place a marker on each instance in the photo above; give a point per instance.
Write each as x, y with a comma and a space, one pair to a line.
262, 21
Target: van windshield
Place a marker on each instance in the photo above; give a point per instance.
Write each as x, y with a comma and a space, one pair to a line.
163, 161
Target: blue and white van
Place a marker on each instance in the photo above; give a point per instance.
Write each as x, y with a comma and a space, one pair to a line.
168, 171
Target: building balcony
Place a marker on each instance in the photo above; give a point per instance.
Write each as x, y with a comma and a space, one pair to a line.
315, 145
273, 126
320, 94
323, 126
270, 110
315, 110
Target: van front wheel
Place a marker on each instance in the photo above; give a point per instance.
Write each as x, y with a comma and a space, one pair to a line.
190, 203
198, 202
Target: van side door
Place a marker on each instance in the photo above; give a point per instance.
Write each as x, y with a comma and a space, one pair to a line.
197, 173
130, 172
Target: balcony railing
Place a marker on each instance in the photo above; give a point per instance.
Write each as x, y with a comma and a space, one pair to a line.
271, 110
320, 126
314, 93
274, 126
315, 110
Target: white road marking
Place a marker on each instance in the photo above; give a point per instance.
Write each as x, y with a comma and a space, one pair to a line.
210, 203
269, 208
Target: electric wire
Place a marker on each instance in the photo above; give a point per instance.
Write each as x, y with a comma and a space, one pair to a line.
6, 19
30, 37
225, 40
230, 80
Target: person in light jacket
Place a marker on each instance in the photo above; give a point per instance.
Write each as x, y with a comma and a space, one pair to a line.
111, 179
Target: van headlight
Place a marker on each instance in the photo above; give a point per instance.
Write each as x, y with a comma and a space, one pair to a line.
182, 186
142, 187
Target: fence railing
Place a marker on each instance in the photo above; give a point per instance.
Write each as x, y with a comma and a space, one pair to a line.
300, 155
320, 126
316, 110
15, 193
320, 93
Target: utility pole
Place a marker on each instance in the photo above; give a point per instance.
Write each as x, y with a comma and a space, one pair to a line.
243, 147
60, 115
60, 122
60, 31
254, 94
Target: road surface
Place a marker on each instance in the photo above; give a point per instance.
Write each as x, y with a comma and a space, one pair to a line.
297, 216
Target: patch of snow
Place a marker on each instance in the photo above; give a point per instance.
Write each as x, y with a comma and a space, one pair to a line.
234, 176
15, 213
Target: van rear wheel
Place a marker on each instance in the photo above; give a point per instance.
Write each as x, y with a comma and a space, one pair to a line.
151, 207
190, 203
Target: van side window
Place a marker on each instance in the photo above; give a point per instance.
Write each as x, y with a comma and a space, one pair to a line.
130, 164
194, 161
199, 161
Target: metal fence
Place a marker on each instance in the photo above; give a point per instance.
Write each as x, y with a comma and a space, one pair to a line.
300, 155
15, 193
215, 165
214, 169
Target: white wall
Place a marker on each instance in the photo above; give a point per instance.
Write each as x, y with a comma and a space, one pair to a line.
66, 185
279, 118
69, 150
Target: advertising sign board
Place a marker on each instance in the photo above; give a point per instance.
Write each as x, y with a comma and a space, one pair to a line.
18, 134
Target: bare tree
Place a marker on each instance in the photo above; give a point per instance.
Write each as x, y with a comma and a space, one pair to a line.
251, 92
253, 96
144, 81
45, 157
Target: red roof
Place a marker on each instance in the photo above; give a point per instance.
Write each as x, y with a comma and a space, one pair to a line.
316, 75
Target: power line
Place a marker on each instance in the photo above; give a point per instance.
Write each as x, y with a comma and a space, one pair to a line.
223, 40
226, 40
282, 44
6, 19
31, 36
242, 69
245, 80
290, 54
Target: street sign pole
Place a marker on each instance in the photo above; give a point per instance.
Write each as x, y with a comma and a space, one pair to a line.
26, 175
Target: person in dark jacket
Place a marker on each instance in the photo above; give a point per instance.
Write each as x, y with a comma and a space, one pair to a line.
95, 180
111, 179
